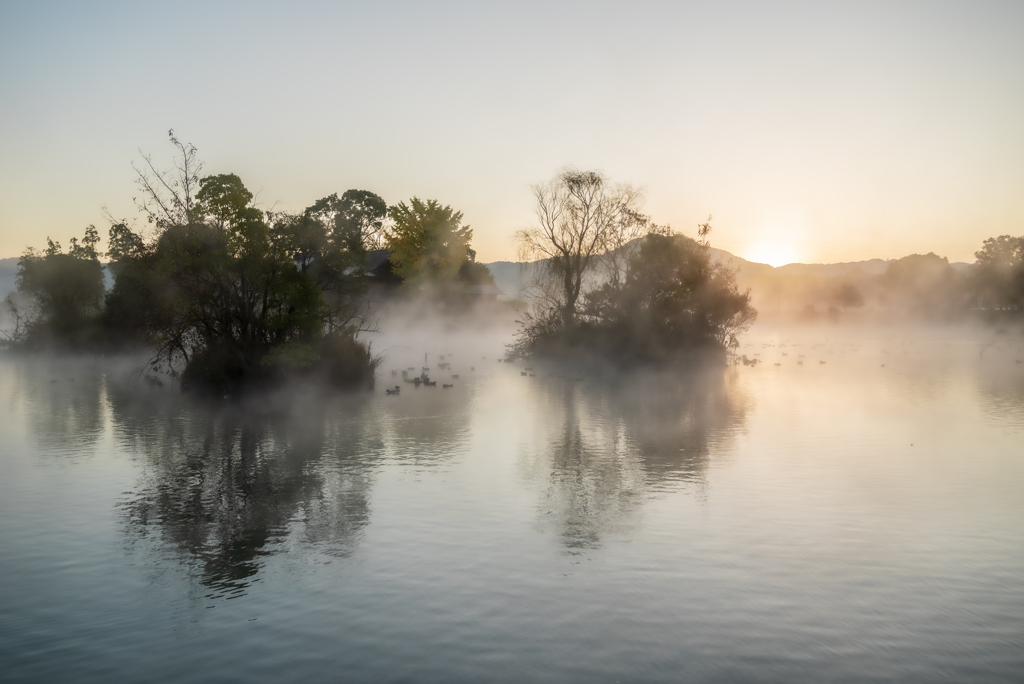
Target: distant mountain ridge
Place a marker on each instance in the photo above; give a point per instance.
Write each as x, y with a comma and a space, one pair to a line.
836, 270
511, 276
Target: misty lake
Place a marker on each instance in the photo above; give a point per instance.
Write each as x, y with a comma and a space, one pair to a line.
855, 513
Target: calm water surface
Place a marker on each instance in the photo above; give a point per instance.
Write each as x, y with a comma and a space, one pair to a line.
801, 522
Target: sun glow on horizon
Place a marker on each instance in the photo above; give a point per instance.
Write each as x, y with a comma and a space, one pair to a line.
772, 253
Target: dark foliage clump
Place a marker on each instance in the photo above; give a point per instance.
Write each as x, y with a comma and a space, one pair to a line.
670, 301
241, 298
226, 295
60, 298
337, 361
998, 278
217, 368
344, 361
925, 286
615, 285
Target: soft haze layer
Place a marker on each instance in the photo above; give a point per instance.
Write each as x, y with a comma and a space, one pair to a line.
810, 132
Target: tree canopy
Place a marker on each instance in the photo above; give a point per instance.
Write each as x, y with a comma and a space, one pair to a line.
999, 275
616, 284
66, 292
360, 217
581, 218
233, 294
925, 285
428, 243
846, 295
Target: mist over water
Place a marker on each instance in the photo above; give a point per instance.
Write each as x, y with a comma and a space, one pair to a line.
847, 509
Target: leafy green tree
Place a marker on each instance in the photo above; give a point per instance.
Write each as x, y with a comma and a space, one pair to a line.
847, 295
230, 289
360, 218
353, 222
87, 250
472, 271
237, 295
670, 299
226, 204
123, 243
999, 272
428, 242
924, 285
140, 308
66, 291
328, 241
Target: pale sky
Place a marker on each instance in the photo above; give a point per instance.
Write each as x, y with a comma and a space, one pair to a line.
813, 132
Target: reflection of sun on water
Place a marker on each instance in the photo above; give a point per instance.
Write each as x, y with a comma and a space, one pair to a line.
772, 253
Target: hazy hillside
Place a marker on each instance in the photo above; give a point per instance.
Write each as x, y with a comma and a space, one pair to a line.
792, 288
871, 266
512, 276
509, 275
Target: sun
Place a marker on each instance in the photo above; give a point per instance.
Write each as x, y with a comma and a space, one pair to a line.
772, 253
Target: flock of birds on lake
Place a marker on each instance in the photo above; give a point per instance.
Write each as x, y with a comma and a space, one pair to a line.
423, 379
994, 347
753, 360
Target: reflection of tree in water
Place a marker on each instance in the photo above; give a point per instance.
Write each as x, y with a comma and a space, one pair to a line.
613, 443
227, 487
427, 425
675, 423
66, 395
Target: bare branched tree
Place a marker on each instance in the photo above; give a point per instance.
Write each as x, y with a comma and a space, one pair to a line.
168, 198
581, 217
